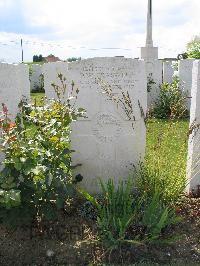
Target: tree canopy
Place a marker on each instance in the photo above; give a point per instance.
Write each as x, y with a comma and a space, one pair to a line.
193, 48
37, 58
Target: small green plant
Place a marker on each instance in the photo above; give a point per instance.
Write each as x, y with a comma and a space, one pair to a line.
157, 216
150, 82
116, 213
125, 217
37, 173
171, 102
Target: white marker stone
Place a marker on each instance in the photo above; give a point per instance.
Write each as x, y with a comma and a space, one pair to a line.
36, 77
14, 84
168, 71
185, 76
193, 164
107, 144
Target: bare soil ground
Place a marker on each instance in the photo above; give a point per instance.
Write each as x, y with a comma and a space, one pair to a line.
72, 240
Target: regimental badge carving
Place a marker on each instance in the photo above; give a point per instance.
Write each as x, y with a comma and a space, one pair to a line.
107, 128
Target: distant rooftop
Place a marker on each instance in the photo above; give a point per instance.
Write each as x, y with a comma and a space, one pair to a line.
51, 58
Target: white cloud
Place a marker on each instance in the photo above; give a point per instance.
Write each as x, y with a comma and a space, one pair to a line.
108, 23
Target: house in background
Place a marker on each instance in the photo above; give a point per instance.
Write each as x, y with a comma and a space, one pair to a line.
51, 58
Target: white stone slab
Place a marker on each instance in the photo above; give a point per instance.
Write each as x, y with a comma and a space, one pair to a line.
168, 71
154, 72
193, 164
149, 53
106, 144
185, 76
51, 71
14, 83
35, 77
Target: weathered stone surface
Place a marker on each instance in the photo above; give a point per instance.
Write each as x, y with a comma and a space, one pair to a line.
14, 83
51, 71
168, 71
193, 164
185, 76
154, 79
149, 53
36, 77
107, 144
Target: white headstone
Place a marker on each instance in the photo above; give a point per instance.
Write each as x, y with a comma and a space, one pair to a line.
168, 71
51, 71
107, 144
185, 76
154, 79
14, 84
193, 165
23, 80
36, 77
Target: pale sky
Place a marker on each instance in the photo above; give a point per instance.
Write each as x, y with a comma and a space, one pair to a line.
83, 28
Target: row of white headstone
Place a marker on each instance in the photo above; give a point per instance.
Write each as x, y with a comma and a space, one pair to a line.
158, 71
108, 143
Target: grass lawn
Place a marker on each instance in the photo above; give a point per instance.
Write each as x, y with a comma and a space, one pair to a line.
166, 153
170, 138
37, 98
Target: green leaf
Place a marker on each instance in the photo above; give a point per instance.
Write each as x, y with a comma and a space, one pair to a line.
88, 197
10, 198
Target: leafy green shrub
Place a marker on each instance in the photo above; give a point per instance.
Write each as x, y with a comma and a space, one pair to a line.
193, 48
37, 174
171, 102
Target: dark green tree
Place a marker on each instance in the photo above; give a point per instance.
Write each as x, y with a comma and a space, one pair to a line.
37, 58
73, 59
193, 48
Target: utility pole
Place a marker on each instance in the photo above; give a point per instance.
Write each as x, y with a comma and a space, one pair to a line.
22, 50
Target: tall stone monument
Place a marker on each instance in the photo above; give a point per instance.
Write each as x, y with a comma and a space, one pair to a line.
149, 52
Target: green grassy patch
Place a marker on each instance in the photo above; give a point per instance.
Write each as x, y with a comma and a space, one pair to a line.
166, 152
167, 143
38, 98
